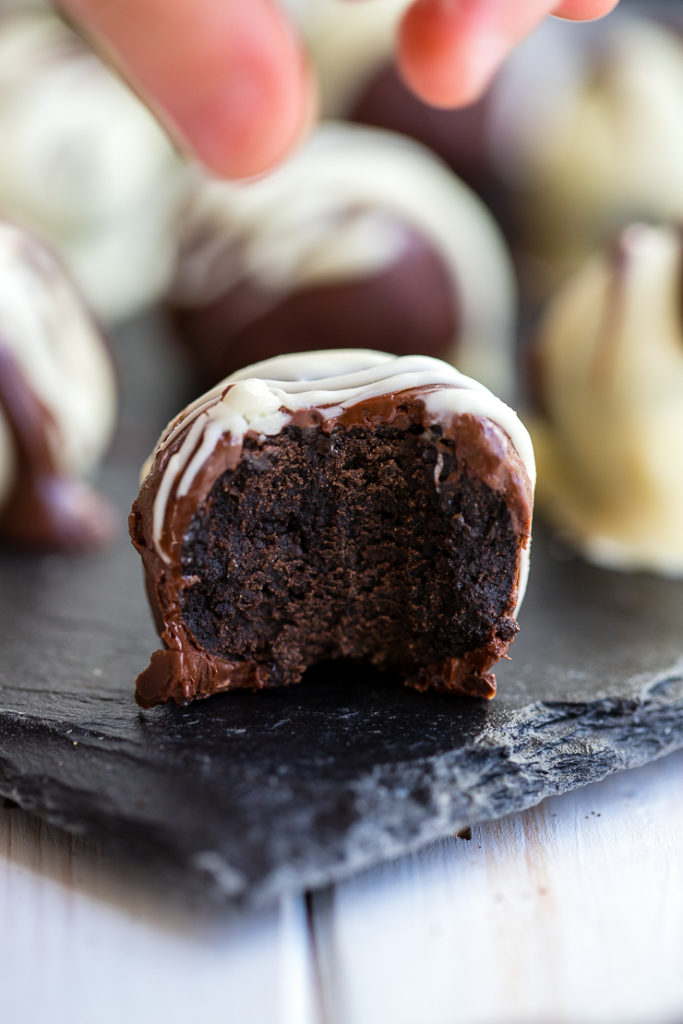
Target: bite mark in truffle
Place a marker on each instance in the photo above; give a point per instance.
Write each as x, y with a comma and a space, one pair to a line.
371, 527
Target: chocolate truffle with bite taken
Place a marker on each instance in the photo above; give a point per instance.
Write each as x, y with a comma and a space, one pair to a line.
335, 504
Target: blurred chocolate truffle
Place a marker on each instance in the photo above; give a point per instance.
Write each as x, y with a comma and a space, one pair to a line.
609, 391
579, 134
352, 46
84, 163
57, 402
362, 239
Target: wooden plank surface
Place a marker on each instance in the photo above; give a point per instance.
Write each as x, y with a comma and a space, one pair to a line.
572, 911
80, 943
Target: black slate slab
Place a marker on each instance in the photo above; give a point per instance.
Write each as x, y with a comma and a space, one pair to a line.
248, 795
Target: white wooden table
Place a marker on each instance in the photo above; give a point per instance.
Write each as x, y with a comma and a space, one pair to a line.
572, 911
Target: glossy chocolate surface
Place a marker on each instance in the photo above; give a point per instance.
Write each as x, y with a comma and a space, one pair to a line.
251, 795
410, 305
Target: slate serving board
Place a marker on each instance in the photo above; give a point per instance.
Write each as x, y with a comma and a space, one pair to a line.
243, 797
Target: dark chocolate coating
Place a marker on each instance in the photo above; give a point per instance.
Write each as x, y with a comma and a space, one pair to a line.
461, 137
457, 136
409, 306
334, 543
464, 138
46, 509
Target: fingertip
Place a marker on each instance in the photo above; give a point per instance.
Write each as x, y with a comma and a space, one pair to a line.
443, 65
245, 131
449, 50
228, 78
584, 10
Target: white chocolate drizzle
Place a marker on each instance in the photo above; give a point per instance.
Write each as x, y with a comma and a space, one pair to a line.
262, 399
293, 231
84, 162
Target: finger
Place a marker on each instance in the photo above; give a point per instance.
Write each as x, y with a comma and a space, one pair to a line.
584, 10
228, 76
448, 50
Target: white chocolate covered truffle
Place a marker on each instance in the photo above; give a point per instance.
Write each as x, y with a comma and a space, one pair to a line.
586, 130
609, 382
57, 401
83, 162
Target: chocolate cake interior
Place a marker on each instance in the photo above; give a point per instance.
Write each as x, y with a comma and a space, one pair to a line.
362, 544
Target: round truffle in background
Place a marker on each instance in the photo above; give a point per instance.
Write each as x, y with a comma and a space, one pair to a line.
85, 164
348, 45
362, 239
353, 46
335, 504
586, 135
57, 403
608, 382
579, 134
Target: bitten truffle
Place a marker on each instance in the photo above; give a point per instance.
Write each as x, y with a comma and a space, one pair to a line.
342, 504
361, 239
608, 382
57, 403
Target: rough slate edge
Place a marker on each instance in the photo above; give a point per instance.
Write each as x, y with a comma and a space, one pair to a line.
472, 785
543, 748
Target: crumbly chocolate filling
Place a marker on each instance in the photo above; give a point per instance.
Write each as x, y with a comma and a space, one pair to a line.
374, 546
